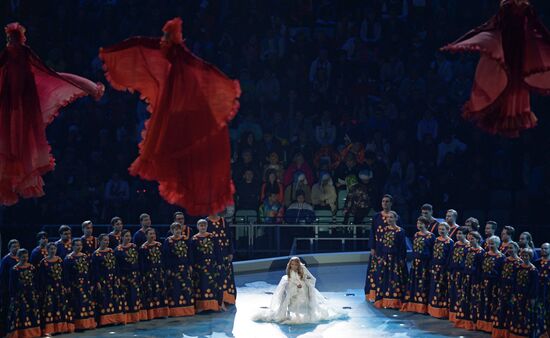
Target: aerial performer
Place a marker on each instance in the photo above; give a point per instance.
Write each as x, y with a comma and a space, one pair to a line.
31, 95
185, 144
515, 60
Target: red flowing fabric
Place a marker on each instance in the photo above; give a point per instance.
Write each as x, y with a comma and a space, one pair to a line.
185, 144
515, 59
31, 95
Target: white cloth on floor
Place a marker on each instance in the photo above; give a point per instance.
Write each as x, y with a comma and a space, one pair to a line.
292, 304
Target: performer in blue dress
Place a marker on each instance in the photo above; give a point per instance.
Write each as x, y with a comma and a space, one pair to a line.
89, 242
523, 318
392, 273
416, 295
24, 301
456, 270
56, 313
127, 261
76, 270
207, 270
543, 266
64, 243
178, 263
379, 221
438, 297
106, 285
153, 277
506, 287
491, 270
39, 252
470, 296
7, 263
219, 229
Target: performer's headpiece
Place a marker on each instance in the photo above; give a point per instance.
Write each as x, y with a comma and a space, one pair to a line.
15, 32
173, 31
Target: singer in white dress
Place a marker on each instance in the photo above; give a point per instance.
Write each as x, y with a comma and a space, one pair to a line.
297, 301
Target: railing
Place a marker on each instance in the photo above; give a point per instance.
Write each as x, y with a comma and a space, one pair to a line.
260, 240
314, 245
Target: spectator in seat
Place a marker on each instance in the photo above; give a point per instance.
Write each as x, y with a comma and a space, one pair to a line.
357, 149
245, 162
348, 168
300, 211
298, 164
272, 185
274, 164
271, 211
269, 145
326, 156
323, 194
360, 197
248, 191
300, 184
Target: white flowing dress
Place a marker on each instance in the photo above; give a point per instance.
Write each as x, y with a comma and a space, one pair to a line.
291, 304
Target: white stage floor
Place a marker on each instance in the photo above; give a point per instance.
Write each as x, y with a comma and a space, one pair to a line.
341, 284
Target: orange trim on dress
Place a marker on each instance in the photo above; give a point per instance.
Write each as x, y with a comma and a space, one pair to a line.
388, 303
228, 298
205, 305
452, 317
371, 296
53, 328
25, 333
160, 312
414, 307
181, 311
482, 325
143, 314
500, 333
133, 317
115, 318
85, 324
465, 324
438, 312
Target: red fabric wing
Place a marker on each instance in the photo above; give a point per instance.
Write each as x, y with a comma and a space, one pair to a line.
491, 76
30, 96
537, 56
204, 183
137, 64
185, 144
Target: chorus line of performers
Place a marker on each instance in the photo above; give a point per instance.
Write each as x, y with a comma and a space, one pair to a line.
494, 285
116, 278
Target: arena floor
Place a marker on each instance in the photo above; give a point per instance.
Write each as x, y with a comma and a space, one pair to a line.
341, 284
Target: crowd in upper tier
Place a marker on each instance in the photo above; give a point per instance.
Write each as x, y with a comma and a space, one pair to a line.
351, 85
85, 282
